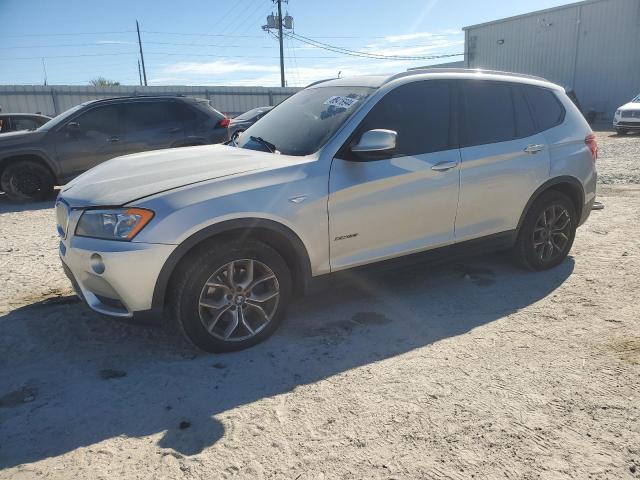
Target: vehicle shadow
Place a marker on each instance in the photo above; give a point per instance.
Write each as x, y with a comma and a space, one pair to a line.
7, 206
623, 135
70, 378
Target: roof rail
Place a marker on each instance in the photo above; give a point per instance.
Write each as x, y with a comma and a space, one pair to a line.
461, 70
135, 95
320, 81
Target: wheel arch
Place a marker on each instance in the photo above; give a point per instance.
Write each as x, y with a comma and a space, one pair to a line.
33, 156
279, 237
570, 186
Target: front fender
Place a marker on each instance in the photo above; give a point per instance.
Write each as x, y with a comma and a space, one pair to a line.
246, 224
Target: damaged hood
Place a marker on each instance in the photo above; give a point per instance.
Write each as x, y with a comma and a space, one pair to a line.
131, 177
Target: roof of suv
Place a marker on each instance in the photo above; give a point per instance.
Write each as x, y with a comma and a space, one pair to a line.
377, 81
146, 97
30, 115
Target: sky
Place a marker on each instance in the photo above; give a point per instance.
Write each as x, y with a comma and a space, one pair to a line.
215, 42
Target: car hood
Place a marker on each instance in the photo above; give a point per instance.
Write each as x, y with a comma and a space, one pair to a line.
630, 106
10, 139
131, 177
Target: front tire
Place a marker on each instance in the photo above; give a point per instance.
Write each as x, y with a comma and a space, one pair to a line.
26, 181
230, 296
621, 131
547, 233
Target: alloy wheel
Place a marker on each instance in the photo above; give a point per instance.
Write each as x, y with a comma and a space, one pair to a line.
239, 300
25, 182
552, 232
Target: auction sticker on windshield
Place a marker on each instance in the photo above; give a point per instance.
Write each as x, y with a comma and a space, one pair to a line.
341, 102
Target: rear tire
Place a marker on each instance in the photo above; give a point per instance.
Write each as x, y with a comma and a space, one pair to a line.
26, 181
230, 296
547, 233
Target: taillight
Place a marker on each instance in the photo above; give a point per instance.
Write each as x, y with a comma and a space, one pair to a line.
224, 123
592, 143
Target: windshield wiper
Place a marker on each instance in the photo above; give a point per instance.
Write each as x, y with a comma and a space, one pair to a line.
270, 146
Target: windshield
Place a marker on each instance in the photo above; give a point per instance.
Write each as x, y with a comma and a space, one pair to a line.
636, 100
55, 121
304, 122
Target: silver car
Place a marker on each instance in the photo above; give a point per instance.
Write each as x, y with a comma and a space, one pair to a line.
345, 173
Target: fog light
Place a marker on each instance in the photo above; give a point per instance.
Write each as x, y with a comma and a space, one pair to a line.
97, 265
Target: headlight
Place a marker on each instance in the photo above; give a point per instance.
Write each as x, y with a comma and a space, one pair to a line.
618, 113
113, 224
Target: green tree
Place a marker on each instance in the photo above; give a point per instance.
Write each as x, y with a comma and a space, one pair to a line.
103, 82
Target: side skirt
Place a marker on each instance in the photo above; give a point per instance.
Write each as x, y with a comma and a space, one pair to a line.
437, 256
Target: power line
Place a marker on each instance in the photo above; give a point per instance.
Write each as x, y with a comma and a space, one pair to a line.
233, 21
355, 53
156, 32
434, 56
64, 34
70, 56
200, 34
127, 44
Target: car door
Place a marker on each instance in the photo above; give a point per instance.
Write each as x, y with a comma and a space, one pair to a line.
384, 208
90, 138
504, 159
153, 125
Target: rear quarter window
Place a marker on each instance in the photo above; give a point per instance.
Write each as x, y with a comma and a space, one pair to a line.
546, 108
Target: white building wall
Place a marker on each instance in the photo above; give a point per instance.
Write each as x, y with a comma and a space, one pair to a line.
52, 100
591, 47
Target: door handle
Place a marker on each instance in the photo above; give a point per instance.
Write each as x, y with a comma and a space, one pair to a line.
173, 130
444, 166
534, 148
113, 139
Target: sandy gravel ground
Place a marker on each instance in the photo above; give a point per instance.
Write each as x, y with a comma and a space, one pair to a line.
472, 370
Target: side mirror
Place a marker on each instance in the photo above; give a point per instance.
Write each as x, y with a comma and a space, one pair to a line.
375, 144
73, 128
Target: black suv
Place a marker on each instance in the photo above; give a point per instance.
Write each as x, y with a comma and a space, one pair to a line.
32, 162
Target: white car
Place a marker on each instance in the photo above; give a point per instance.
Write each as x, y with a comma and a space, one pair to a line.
344, 173
627, 117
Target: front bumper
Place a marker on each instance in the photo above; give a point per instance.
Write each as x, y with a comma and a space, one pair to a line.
114, 278
627, 123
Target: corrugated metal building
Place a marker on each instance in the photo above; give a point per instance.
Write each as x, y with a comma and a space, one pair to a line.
591, 47
52, 100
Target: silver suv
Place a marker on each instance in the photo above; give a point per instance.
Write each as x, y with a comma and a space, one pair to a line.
345, 173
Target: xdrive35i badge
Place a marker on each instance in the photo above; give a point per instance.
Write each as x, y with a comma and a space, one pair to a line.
343, 237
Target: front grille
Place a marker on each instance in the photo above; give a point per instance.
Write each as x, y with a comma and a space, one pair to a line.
628, 124
630, 114
62, 217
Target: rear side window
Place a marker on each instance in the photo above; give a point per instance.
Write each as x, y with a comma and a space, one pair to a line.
184, 112
545, 106
419, 112
489, 113
148, 115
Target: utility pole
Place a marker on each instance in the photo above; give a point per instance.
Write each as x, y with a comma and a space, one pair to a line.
44, 70
282, 84
144, 70
278, 22
139, 72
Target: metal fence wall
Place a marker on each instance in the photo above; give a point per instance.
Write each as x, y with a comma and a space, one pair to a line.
55, 99
590, 47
